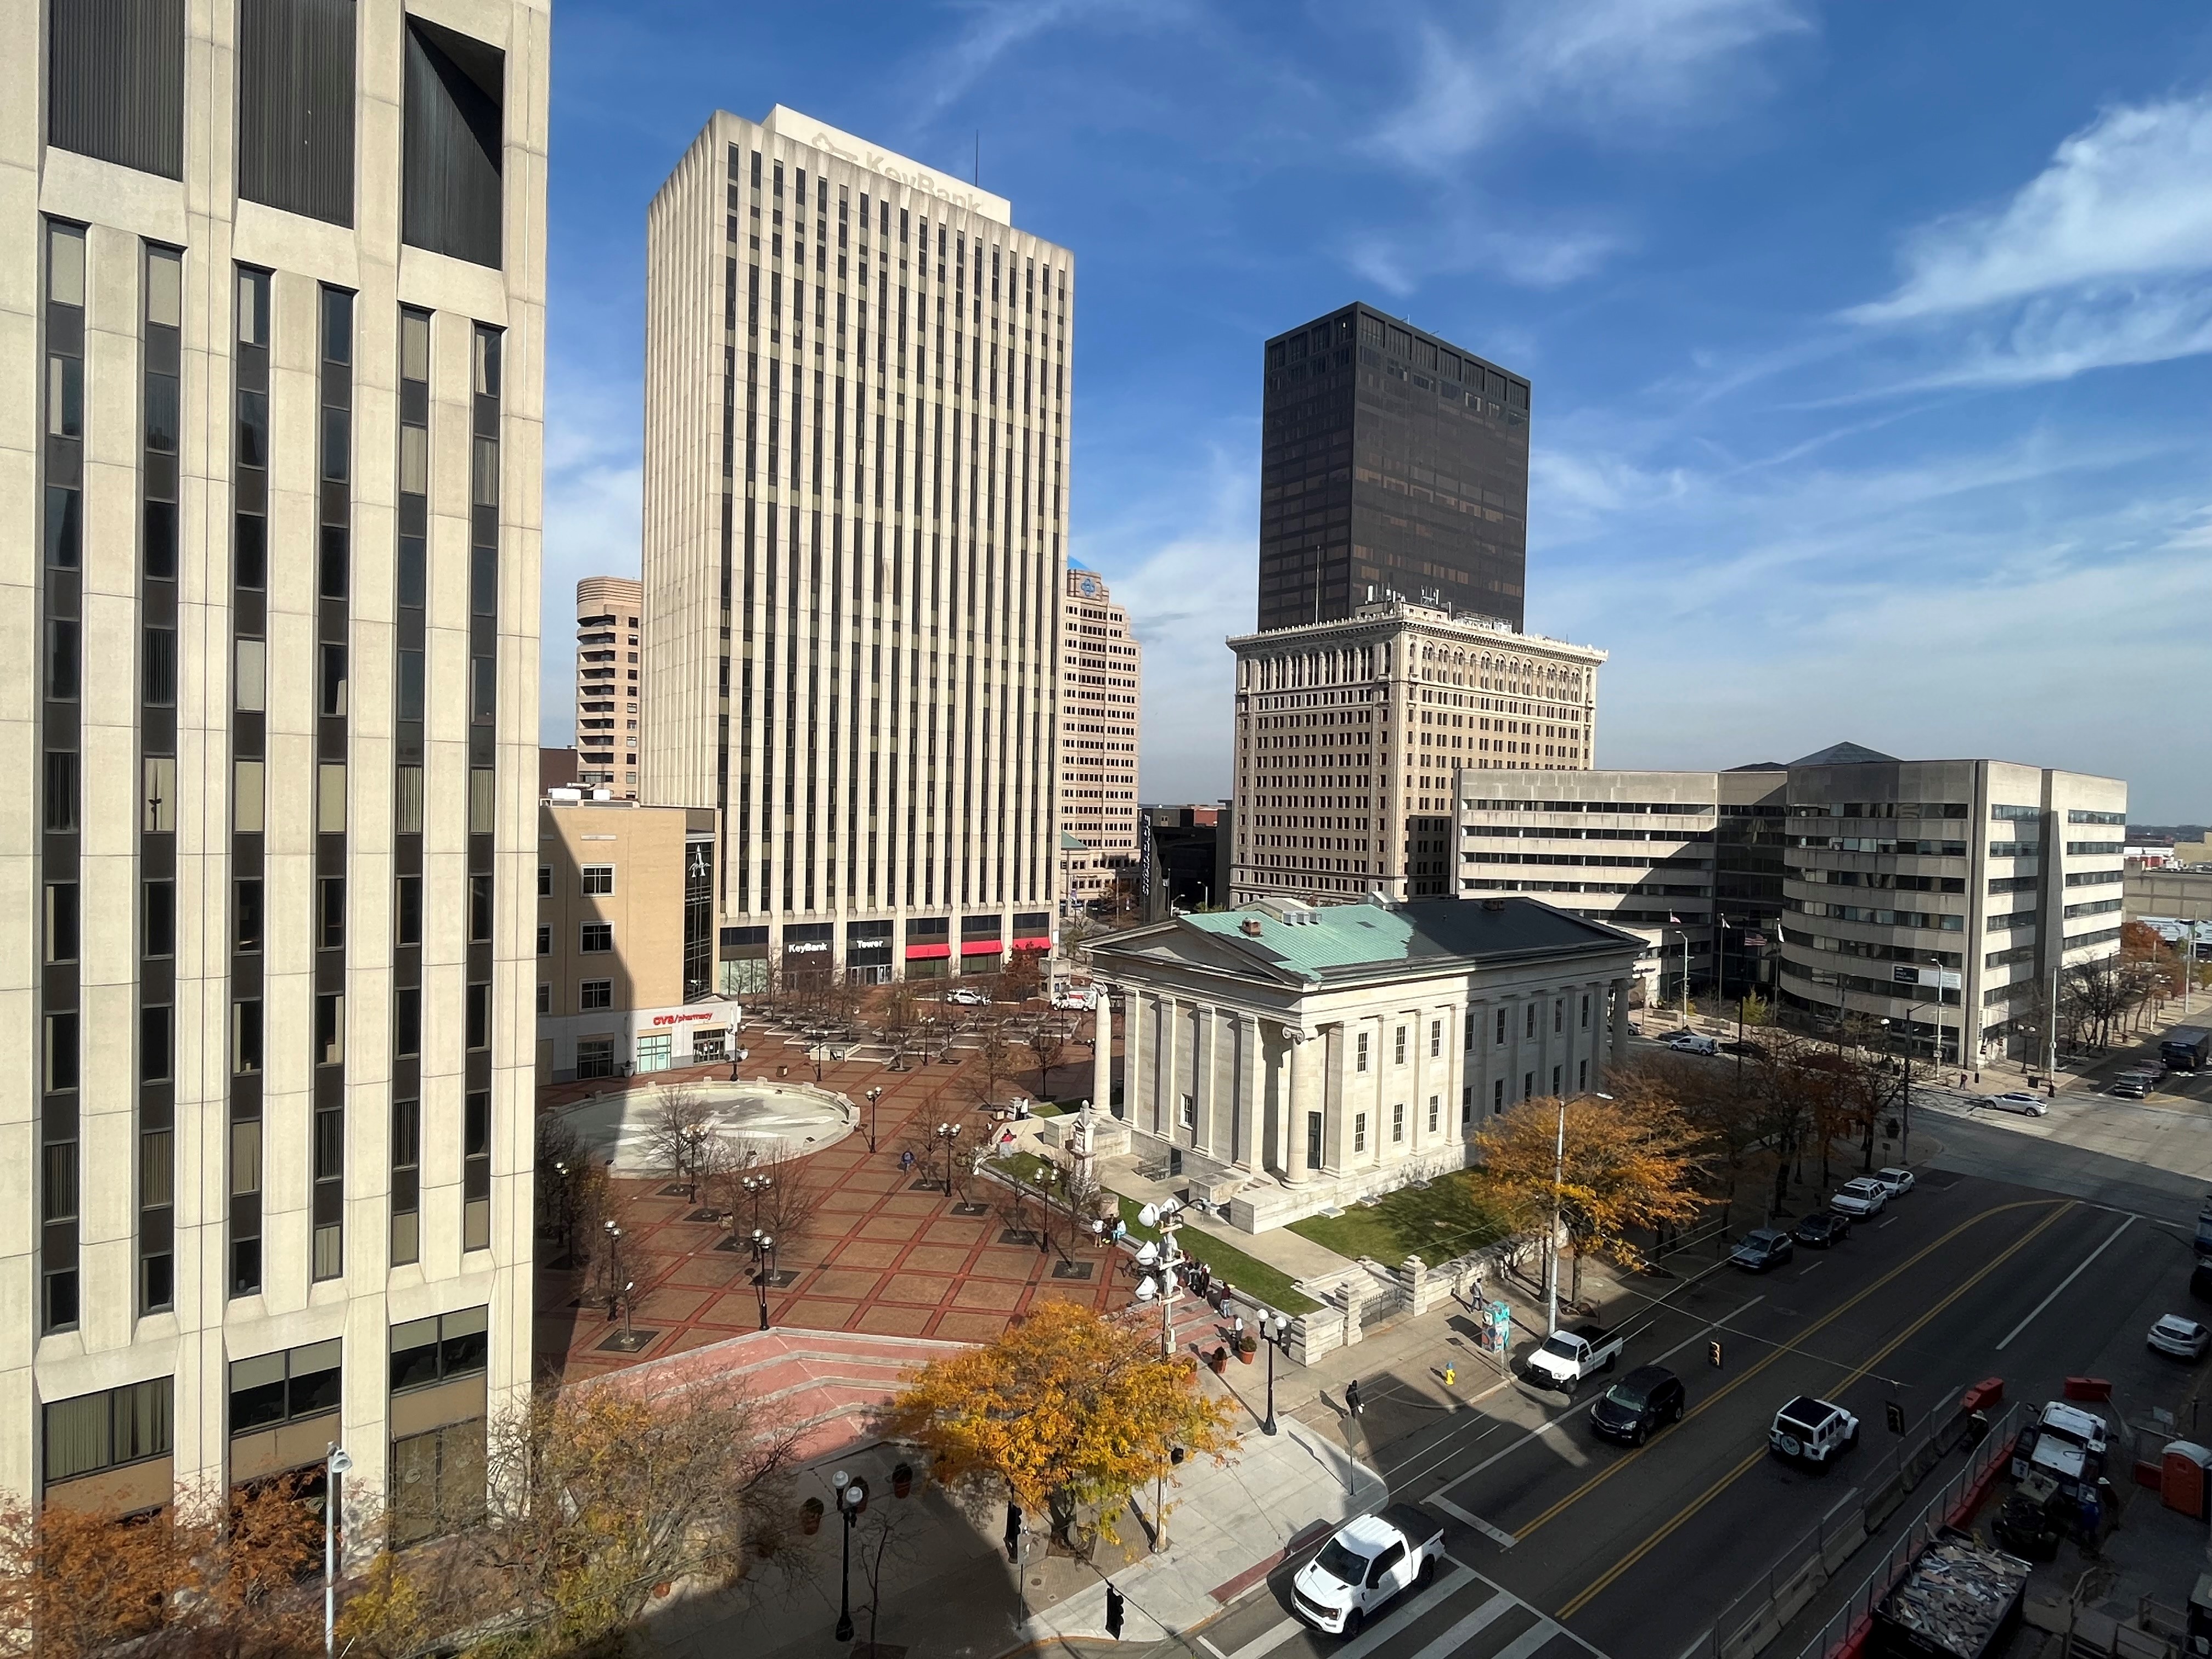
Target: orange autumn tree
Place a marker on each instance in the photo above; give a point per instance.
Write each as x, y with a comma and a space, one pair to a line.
1630, 1165
1069, 1413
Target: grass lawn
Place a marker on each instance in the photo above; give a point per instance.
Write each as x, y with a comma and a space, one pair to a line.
1270, 1284
1447, 1219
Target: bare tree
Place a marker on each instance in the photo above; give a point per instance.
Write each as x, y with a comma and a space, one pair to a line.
1048, 1040
677, 1129
783, 1200
993, 1065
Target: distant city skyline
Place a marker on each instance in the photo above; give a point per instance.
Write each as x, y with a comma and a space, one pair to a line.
1870, 342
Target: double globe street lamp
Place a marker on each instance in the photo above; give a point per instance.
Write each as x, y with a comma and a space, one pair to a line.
851, 1498
1275, 1332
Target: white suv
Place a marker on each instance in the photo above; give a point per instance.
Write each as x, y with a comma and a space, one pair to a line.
1864, 1196
1813, 1429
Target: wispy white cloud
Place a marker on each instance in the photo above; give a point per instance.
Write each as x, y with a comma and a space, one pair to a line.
996, 27
2104, 259
2126, 198
1399, 262
1601, 65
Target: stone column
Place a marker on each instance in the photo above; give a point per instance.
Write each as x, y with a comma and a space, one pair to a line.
1299, 1067
1205, 1061
1246, 1149
1164, 1071
1102, 1055
1619, 1055
1133, 1043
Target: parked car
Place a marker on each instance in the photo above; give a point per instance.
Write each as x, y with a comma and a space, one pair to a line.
1896, 1180
2182, 1338
1822, 1228
1762, 1247
1641, 1404
1365, 1564
1567, 1357
2015, 1100
968, 999
1863, 1196
1812, 1430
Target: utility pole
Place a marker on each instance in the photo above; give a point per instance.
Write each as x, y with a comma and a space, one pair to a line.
1551, 1252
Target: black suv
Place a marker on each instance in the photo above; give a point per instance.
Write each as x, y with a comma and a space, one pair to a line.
1762, 1248
1821, 1229
1641, 1404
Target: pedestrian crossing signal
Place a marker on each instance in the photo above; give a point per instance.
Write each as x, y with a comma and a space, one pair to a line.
1895, 1413
1713, 1354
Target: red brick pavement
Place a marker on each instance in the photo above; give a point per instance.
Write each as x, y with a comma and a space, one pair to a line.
880, 1257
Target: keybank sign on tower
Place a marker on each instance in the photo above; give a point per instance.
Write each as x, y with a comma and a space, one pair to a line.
804, 129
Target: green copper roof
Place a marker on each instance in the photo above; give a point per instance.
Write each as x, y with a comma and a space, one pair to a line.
1346, 938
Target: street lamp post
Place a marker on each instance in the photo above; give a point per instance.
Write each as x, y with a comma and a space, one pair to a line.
757, 1188
949, 1134
336, 1466
1275, 1331
615, 1264
852, 1495
763, 1269
1159, 1262
874, 1094
1559, 1199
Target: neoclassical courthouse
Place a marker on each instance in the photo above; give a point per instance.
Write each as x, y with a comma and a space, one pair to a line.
1289, 1058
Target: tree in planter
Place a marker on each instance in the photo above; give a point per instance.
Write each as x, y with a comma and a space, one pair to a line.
1068, 1413
599, 1495
993, 1066
788, 1206
1629, 1164
679, 1127
1048, 1040
1756, 1010
899, 1015
573, 1194
887, 1539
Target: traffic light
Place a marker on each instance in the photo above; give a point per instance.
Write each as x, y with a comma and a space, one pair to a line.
1895, 1414
1175, 1454
1713, 1354
1113, 1612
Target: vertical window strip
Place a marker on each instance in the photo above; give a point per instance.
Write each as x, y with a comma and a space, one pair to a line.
481, 711
61, 576
335, 322
161, 351
409, 692
249, 576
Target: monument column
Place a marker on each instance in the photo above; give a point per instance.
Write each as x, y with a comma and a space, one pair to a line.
1300, 1066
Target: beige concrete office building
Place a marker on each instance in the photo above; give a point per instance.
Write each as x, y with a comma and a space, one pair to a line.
1102, 683
856, 415
607, 612
626, 939
1351, 735
1943, 896
271, 403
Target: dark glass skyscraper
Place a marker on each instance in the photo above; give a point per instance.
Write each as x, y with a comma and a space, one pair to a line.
1391, 462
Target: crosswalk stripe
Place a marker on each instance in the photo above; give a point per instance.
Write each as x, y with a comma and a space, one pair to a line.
1488, 1613
1404, 1614
1525, 1645
1260, 1644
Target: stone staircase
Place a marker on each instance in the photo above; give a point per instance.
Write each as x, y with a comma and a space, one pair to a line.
828, 1380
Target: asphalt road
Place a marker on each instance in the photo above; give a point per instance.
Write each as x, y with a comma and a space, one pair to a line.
1566, 1543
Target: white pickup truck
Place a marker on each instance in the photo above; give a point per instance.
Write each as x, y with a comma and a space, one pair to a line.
1567, 1357
1365, 1562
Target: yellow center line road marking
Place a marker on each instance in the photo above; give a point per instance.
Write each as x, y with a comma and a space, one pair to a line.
1781, 1349
1720, 1485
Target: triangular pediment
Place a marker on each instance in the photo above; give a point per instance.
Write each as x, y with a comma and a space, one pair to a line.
1173, 943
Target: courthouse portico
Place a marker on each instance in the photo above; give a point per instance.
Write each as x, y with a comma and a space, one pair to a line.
1288, 1059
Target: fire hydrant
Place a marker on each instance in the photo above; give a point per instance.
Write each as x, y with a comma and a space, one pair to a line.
1451, 1374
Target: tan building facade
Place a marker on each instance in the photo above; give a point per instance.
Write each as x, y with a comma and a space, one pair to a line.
608, 609
856, 407
270, 468
626, 939
1101, 681
1351, 735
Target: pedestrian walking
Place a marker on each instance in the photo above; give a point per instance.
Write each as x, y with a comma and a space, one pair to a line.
1352, 1397
906, 1162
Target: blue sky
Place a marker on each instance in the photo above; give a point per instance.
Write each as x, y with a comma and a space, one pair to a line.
1869, 342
